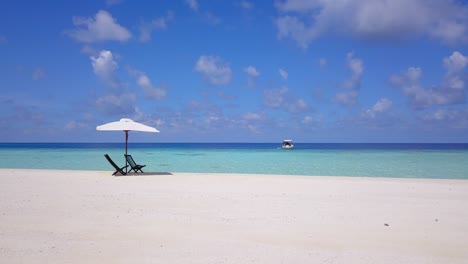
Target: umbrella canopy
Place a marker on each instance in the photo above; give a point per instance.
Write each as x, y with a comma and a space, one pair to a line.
126, 124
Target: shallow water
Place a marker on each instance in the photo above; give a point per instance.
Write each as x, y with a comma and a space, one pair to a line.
443, 161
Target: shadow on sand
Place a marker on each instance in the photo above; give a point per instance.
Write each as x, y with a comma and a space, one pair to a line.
132, 174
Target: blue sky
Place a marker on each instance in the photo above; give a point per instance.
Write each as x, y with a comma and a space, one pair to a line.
235, 71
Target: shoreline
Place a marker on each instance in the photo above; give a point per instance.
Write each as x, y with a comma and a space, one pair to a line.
149, 173
56, 216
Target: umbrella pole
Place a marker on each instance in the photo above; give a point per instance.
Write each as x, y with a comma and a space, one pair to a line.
126, 148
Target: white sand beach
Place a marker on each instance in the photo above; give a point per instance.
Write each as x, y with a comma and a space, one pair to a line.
92, 217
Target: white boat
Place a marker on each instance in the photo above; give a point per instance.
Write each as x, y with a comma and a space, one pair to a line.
287, 144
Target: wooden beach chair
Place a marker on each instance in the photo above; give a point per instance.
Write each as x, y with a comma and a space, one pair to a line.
135, 167
117, 169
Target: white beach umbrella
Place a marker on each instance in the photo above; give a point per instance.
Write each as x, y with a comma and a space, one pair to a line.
126, 124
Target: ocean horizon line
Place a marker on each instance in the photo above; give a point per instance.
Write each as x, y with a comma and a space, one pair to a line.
230, 142
235, 145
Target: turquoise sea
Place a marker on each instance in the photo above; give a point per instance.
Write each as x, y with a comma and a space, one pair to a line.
443, 161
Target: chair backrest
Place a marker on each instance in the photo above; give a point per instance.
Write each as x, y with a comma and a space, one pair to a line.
130, 160
112, 162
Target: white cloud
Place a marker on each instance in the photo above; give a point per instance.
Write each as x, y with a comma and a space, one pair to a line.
144, 82
38, 74
161, 23
357, 68
346, 98
455, 118
455, 66
452, 31
102, 28
251, 71
456, 62
441, 114
305, 21
414, 74
283, 74
104, 67
275, 97
252, 75
254, 128
253, 121
380, 107
451, 91
294, 28
282, 98
149, 119
253, 116
214, 70
157, 24
88, 50
151, 91
307, 120
193, 4
299, 105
